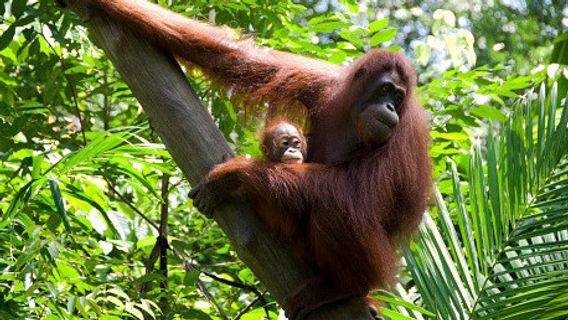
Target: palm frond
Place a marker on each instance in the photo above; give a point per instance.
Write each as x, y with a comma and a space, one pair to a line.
501, 251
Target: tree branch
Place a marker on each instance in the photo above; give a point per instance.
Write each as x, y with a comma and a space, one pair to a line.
196, 145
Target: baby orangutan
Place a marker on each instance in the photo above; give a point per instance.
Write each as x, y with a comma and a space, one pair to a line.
283, 141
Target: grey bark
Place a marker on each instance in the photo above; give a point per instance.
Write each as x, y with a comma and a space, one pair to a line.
196, 145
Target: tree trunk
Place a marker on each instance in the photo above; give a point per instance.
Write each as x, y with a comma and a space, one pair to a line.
196, 145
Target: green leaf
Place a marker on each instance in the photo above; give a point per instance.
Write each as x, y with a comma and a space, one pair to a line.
76, 69
422, 53
190, 278
58, 199
505, 223
18, 7
146, 307
7, 37
329, 26
400, 302
148, 241
487, 112
67, 271
383, 36
102, 143
106, 247
454, 136
351, 38
115, 301
378, 25
246, 276
560, 50
395, 315
37, 162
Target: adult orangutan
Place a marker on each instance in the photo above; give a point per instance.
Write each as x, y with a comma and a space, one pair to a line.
363, 188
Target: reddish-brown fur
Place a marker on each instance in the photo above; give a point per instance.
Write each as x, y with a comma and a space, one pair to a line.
268, 139
350, 208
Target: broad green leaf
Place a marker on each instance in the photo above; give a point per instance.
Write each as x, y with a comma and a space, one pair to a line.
329, 26
18, 7
378, 25
7, 37
351, 38
560, 51
454, 136
383, 36
190, 278
488, 112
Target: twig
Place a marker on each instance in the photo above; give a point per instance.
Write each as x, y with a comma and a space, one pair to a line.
128, 203
188, 268
163, 242
187, 265
233, 283
71, 87
248, 307
106, 105
149, 265
260, 295
209, 296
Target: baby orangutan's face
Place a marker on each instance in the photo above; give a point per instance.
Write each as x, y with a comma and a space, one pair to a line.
284, 143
